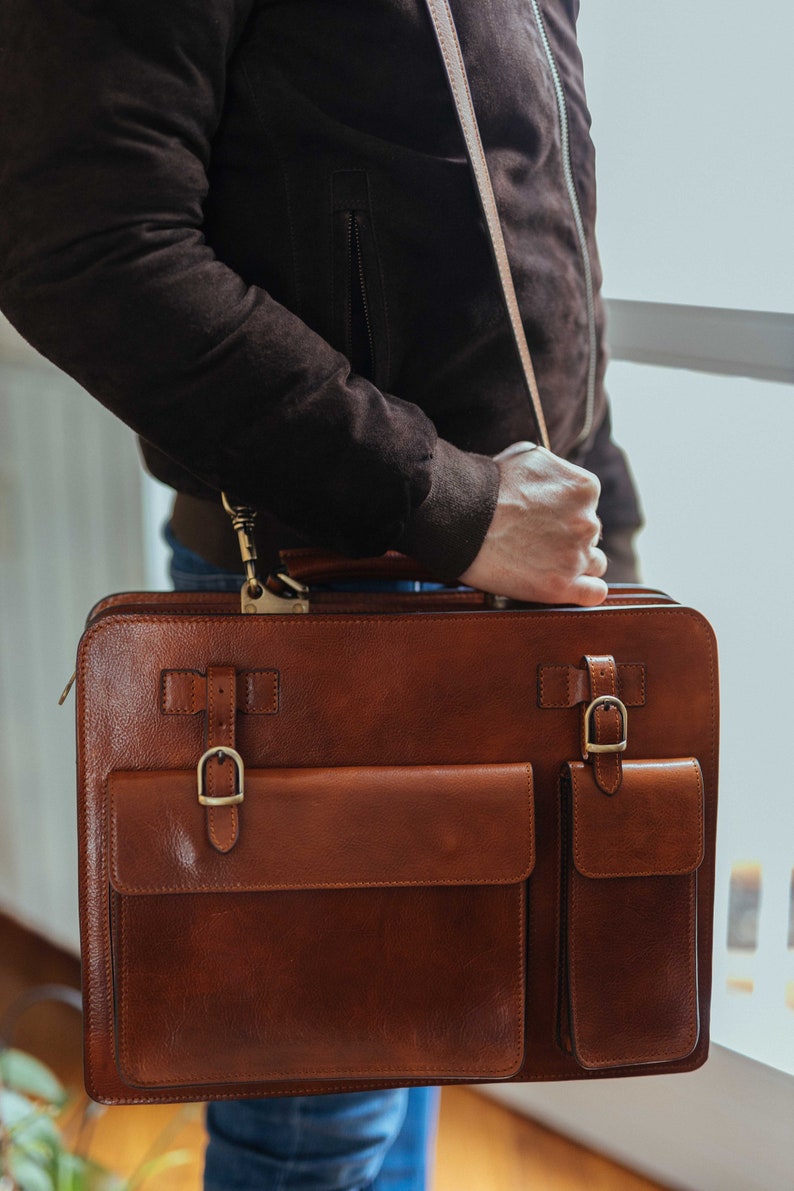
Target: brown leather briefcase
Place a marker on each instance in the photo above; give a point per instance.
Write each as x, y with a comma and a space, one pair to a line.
398, 839
395, 839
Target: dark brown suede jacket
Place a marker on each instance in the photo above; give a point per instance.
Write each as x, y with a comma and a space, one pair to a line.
248, 227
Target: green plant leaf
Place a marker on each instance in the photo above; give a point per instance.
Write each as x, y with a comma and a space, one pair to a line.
68, 1171
26, 1123
73, 1172
22, 1073
96, 1178
14, 1108
27, 1174
158, 1164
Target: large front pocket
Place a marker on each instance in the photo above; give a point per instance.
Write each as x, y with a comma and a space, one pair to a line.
369, 922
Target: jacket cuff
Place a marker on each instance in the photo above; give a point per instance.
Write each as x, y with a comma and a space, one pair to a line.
447, 530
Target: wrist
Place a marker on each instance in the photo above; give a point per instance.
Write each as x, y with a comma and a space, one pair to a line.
447, 530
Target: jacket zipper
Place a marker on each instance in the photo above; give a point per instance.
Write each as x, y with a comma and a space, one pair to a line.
567, 168
358, 306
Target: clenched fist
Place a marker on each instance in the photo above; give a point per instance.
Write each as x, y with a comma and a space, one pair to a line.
542, 542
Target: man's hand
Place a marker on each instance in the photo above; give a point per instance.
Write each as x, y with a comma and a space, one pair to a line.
542, 541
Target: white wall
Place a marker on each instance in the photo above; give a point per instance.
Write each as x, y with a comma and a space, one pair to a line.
691, 107
70, 532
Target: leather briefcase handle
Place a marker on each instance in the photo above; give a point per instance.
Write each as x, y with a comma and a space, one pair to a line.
312, 565
309, 565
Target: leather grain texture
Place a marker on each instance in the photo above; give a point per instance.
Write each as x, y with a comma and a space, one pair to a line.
653, 829
566, 686
403, 953
340, 828
402, 740
220, 726
184, 692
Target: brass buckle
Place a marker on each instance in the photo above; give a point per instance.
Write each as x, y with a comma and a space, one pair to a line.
219, 751
620, 745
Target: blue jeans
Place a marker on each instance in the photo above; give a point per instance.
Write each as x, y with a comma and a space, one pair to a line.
356, 1141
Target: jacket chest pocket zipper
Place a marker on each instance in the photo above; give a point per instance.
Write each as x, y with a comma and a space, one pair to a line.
360, 338
359, 326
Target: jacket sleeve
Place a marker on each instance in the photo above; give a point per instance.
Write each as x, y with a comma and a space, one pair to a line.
109, 108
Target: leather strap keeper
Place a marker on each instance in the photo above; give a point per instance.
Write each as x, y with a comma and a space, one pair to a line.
566, 686
184, 692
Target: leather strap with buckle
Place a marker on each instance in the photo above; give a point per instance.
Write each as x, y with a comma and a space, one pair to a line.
604, 723
220, 770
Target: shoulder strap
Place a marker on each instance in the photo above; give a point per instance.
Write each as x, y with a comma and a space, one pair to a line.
447, 37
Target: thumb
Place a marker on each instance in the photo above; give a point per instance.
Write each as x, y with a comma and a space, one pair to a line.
587, 591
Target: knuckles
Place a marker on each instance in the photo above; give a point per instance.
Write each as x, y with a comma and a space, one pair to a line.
585, 527
583, 490
587, 484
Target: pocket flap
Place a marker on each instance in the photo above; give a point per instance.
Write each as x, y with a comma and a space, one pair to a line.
326, 828
652, 826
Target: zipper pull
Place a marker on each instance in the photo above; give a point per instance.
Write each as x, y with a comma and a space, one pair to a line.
66, 689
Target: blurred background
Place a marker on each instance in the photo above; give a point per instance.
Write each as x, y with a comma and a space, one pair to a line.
691, 113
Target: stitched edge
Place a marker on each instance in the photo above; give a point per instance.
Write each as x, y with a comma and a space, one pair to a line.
606, 763
675, 872
622, 668
542, 673
244, 887
94, 911
210, 776
507, 1069
261, 1091
216, 823
642, 672
167, 679
250, 687
591, 1056
295, 623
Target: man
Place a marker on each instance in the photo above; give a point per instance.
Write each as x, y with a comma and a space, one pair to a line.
250, 230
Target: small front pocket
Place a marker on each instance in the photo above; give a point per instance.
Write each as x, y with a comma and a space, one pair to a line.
629, 914
369, 922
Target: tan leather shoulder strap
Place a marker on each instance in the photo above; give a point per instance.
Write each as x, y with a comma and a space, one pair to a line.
447, 37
